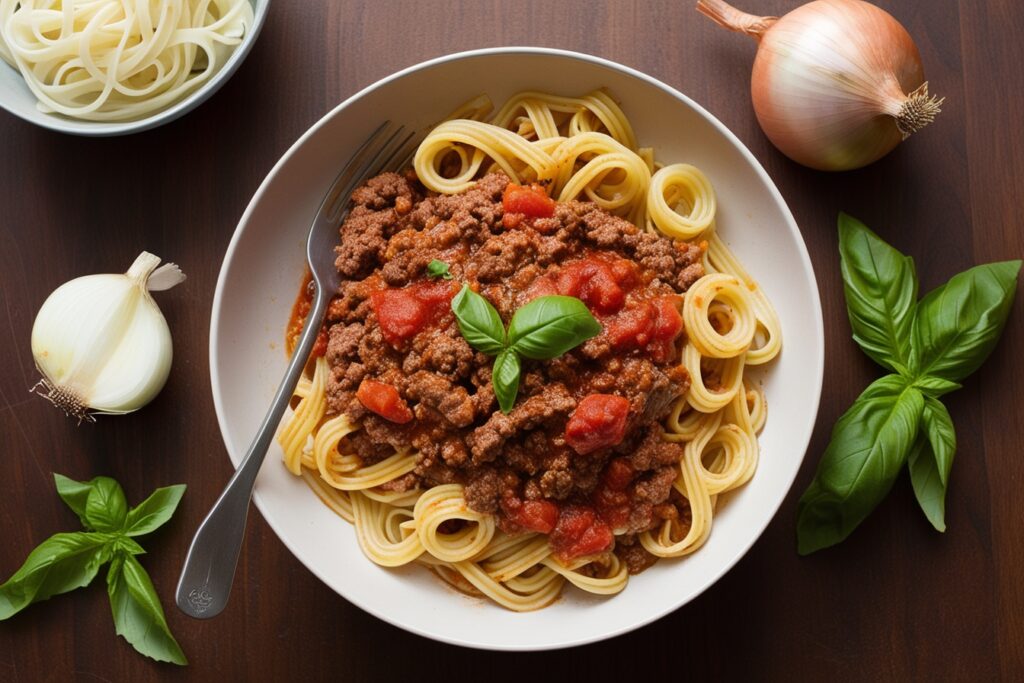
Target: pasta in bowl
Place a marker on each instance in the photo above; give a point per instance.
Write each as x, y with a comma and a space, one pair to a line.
611, 454
105, 67
601, 460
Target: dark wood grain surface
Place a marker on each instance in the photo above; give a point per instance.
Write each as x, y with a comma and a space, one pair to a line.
896, 601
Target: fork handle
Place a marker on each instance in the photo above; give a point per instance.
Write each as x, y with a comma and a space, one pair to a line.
209, 570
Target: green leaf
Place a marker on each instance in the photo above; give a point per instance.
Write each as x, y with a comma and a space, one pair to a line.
437, 269
128, 545
59, 564
958, 324
105, 506
931, 459
869, 445
935, 386
549, 326
505, 378
881, 289
138, 615
153, 512
479, 323
75, 494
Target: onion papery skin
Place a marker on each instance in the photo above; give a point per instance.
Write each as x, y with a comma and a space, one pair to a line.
829, 78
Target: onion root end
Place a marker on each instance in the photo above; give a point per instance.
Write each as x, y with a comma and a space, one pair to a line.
918, 111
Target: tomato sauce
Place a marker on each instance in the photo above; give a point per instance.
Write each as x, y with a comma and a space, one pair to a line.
300, 309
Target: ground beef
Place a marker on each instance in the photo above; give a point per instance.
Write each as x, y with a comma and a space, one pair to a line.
633, 554
394, 230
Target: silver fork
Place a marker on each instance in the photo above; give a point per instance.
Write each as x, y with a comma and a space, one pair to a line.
209, 570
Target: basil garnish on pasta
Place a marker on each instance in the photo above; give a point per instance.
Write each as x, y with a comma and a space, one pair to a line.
543, 329
549, 326
931, 346
438, 269
479, 322
67, 561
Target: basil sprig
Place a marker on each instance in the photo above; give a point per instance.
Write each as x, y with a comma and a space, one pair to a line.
436, 269
931, 346
543, 329
67, 561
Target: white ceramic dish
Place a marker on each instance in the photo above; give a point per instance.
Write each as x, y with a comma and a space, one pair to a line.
264, 265
16, 97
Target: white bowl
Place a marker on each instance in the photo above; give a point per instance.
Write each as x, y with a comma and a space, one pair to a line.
264, 265
17, 98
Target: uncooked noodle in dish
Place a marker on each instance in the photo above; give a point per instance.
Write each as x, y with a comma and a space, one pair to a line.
408, 505
117, 60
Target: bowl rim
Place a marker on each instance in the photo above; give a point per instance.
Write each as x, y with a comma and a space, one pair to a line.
817, 376
101, 129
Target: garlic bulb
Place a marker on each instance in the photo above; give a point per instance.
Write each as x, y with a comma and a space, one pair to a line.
837, 84
102, 344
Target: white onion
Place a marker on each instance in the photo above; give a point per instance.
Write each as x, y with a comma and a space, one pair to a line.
102, 344
837, 84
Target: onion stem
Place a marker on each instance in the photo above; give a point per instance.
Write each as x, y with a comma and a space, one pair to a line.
727, 16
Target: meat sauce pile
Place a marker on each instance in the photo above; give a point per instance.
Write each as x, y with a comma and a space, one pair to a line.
581, 455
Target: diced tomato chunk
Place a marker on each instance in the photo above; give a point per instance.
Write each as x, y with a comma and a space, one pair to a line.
652, 325
618, 474
532, 201
535, 515
384, 400
670, 322
594, 282
611, 497
667, 327
632, 328
402, 313
436, 294
625, 273
580, 532
598, 421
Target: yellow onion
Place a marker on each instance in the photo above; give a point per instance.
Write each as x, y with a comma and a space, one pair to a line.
837, 84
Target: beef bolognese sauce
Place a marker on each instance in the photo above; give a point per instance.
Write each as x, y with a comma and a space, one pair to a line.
581, 455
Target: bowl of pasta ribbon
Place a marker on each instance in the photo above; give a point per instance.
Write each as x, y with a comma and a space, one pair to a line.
105, 68
580, 129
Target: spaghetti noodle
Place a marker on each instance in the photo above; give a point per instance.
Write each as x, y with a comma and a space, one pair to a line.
104, 60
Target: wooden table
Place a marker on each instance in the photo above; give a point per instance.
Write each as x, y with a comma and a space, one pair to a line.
897, 600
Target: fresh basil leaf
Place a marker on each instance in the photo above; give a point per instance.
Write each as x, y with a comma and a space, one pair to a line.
549, 326
958, 324
138, 615
869, 445
881, 290
75, 494
505, 378
153, 512
479, 323
437, 269
935, 386
59, 564
105, 506
931, 459
128, 545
